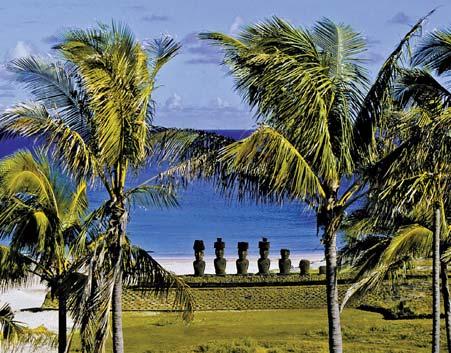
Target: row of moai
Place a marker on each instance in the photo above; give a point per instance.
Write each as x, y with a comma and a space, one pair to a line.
242, 263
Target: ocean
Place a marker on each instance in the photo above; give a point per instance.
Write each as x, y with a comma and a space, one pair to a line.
204, 214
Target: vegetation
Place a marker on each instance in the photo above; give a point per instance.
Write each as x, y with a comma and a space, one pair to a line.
271, 331
318, 119
407, 212
42, 215
320, 123
15, 337
93, 112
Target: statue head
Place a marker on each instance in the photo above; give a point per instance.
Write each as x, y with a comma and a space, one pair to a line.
199, 248
219, 253
199, 255
263, 246
242, 250
285, 254
219, 248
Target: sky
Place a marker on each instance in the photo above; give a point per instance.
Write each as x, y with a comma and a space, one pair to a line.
194, 90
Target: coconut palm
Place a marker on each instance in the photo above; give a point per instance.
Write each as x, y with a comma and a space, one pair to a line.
93, 111
41, 216
420, 167
52, 237
318, 117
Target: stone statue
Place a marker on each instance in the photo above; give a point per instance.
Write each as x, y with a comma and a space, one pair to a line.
264, 262
242, 264
284, 262
199, 263
304, 266
220, 262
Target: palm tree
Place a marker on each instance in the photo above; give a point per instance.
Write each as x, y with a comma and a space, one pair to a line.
434, 53
318, 120
408, 197
422, 165
41, 216
93, 111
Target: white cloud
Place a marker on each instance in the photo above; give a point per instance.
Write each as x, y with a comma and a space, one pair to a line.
218, 102
174, 102
217, 114
236, 25
21, 50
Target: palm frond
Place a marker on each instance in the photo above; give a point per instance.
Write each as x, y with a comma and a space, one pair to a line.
371, 114
161, 196
279, 71
114, 68
391, 257
58, 87
10, 329
434, 51
274, 163
161, 50
170, 145
34, 120
142, 271
418, 87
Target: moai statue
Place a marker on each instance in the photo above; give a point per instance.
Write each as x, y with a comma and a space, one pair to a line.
199, 263
242, 264
264, 262
322, 270
284, 262
220, 262
304, 266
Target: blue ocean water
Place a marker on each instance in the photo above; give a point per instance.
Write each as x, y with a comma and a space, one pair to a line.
205, 214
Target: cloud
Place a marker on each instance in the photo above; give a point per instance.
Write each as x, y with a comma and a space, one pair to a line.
51, 39
236, 25
220, 103
155, 18
6, 87
30, 21
217, 114
370, 41
21, 49
400, 18
137, 8
374, 57
201, 51
7, 94
174, 102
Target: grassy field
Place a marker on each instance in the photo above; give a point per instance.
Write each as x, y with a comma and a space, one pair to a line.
271, 332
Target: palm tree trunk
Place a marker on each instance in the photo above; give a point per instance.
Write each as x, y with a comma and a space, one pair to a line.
62, 323
118, 223
446, 302
118, 336
333, 307
436, 283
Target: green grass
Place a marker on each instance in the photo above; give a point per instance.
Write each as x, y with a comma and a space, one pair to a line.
271, 332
